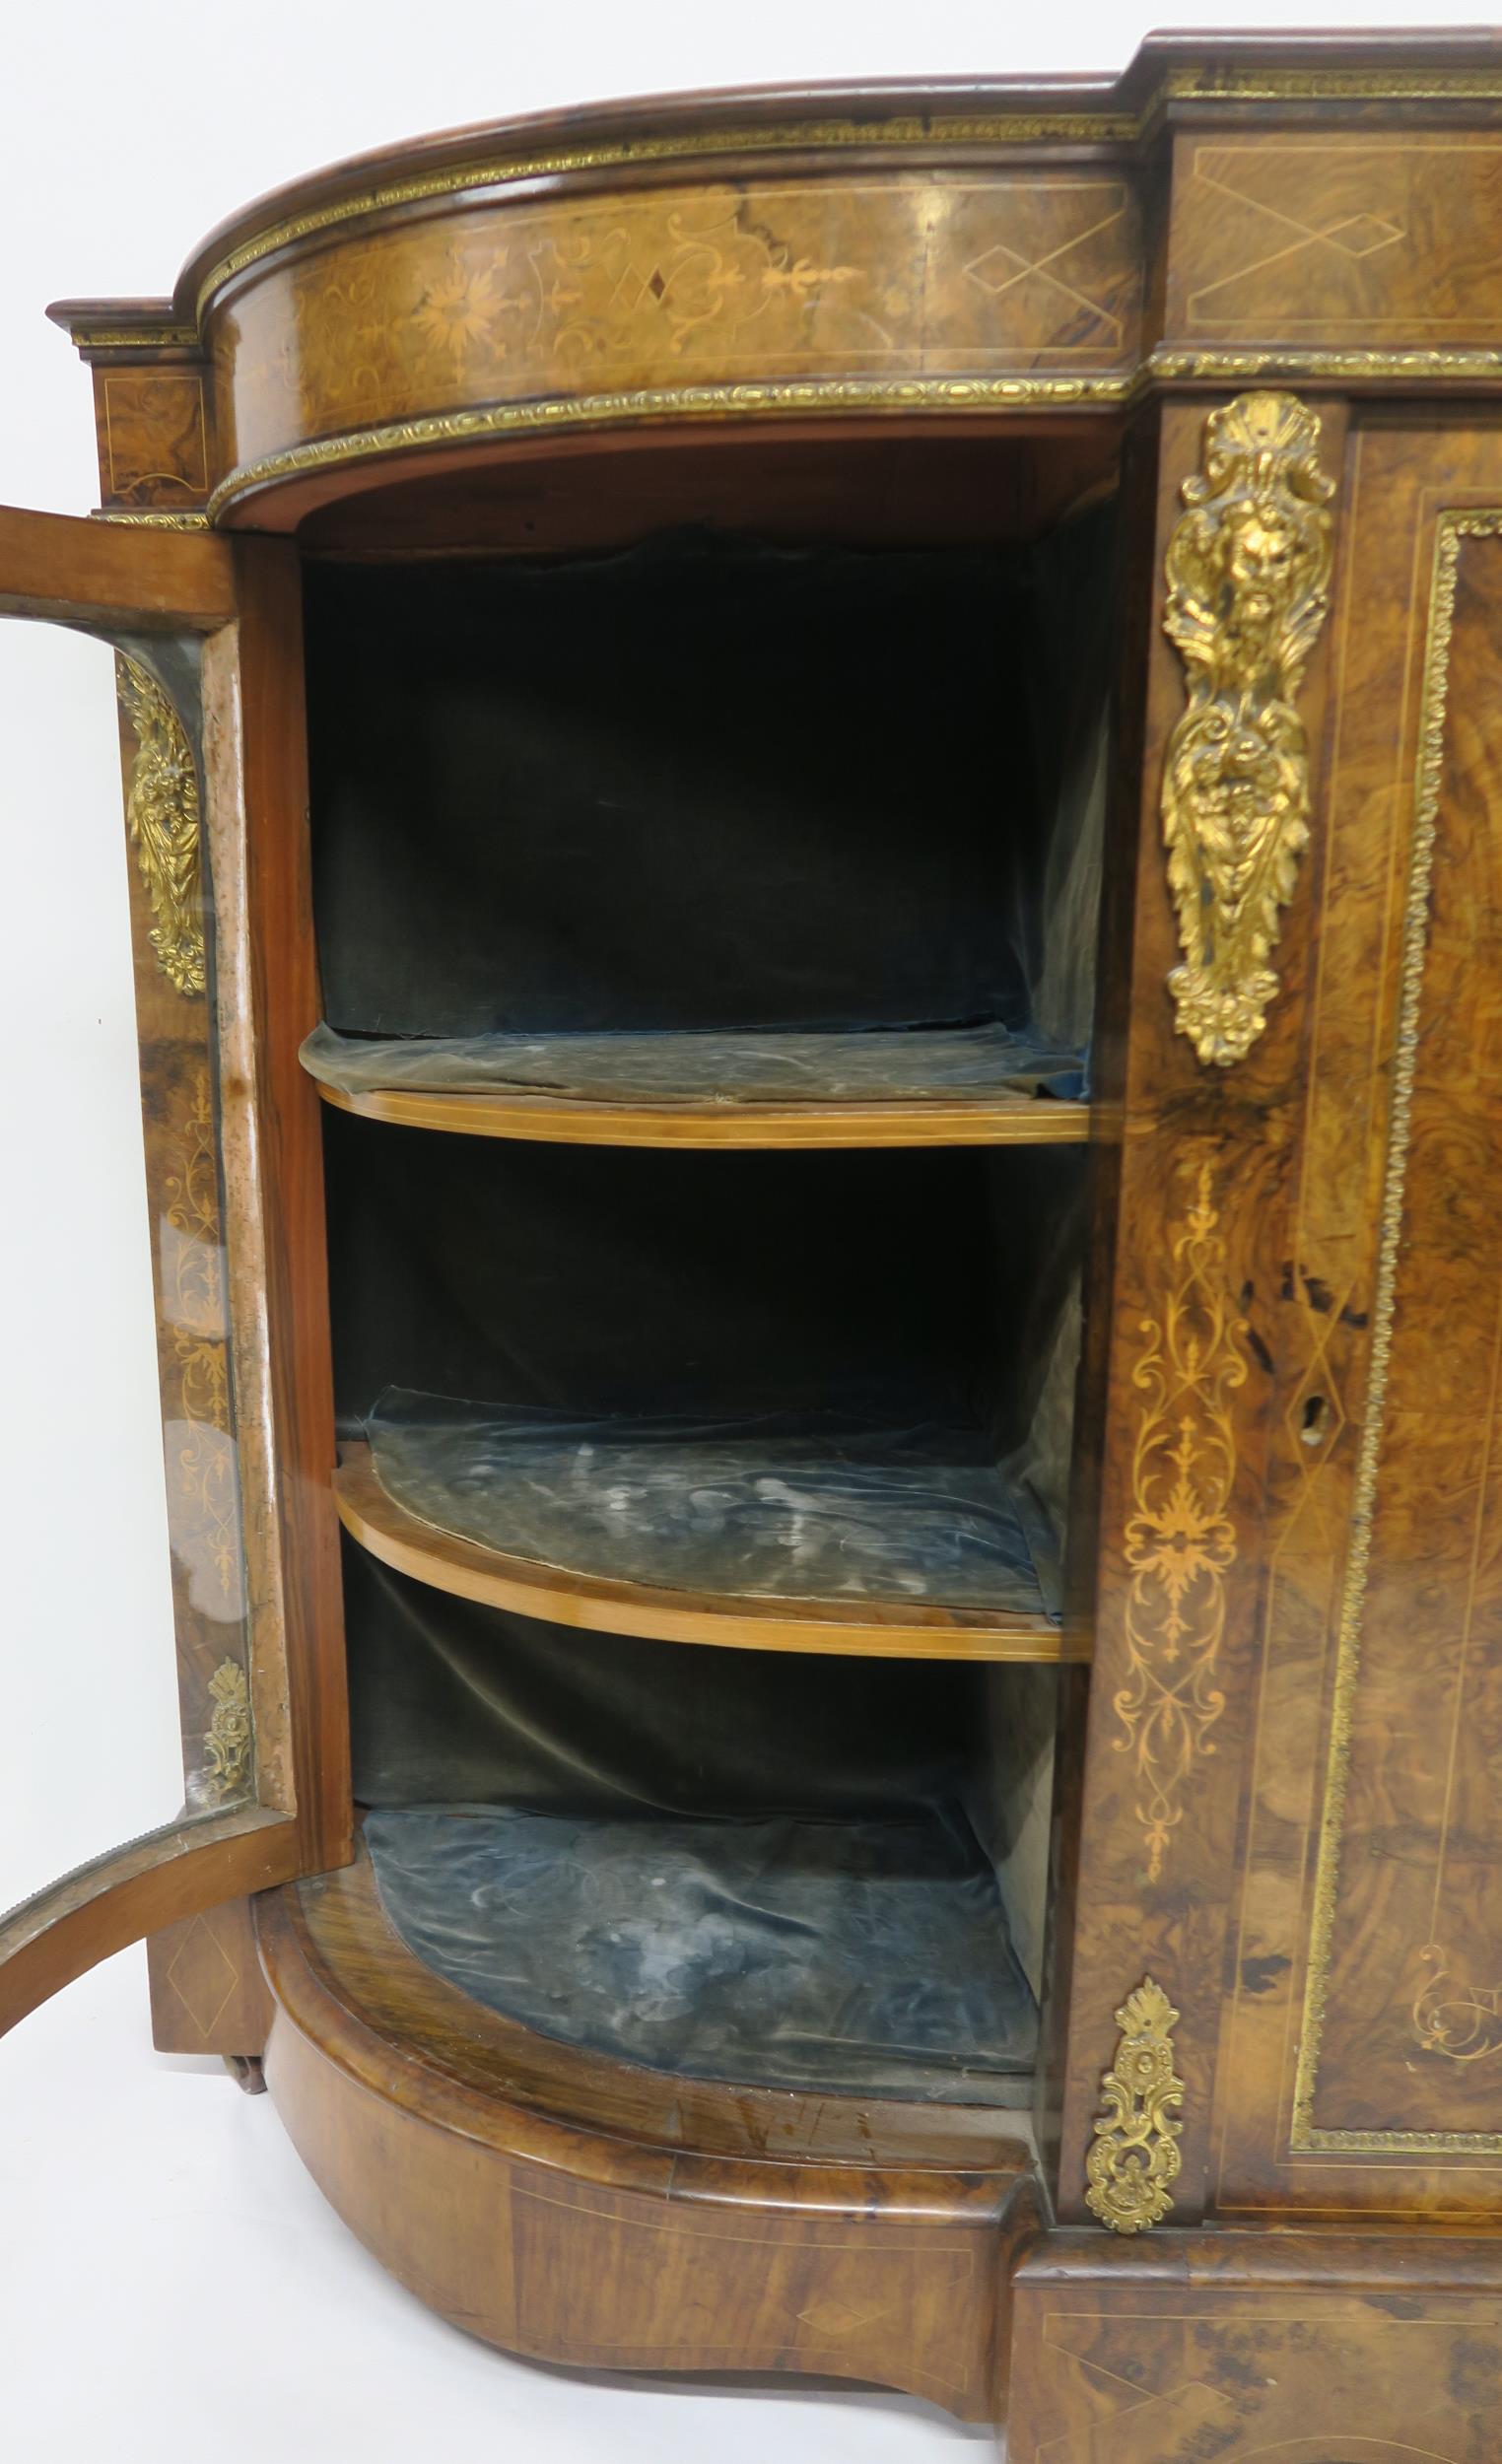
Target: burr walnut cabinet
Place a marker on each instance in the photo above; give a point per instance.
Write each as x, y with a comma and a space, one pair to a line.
815, 830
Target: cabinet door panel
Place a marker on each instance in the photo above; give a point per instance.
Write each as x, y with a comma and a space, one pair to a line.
1363, 2063
208, 671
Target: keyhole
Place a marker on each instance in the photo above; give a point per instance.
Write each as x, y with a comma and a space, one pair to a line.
1316, 1414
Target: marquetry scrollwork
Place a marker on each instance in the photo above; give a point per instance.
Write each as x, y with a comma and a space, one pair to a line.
1248, 587
1462, 2022
228, 1740
1180, 1538
1135, 2156
163, 812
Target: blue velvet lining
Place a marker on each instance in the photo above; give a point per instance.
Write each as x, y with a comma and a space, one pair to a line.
831, 1509
860, 1957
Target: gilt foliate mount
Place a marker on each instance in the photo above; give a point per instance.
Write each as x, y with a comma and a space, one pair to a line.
162, 809
1247, 570
1135, 2154
229, 1739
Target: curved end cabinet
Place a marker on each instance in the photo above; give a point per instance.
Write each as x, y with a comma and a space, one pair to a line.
816, 871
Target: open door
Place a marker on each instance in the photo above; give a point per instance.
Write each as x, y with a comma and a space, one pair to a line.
209, 673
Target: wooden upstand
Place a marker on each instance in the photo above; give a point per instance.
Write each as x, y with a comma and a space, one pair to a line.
816, 858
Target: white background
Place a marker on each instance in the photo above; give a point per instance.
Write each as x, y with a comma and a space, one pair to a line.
171, 2285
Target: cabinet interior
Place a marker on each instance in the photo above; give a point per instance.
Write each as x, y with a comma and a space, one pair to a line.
693, 816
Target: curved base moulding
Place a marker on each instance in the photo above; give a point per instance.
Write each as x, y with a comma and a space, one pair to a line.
575, 2209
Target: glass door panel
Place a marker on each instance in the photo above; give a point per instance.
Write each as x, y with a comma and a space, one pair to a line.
92, 1743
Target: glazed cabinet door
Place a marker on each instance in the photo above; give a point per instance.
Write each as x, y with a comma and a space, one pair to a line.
207, 661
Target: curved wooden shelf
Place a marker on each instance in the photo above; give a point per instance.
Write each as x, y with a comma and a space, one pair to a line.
941, 1120
528, 1588
579, 2210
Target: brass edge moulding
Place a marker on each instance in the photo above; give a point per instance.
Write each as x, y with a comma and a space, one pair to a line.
809, 398
1329, 85
1305, 2138
1230, 364
1135, 2154
816, 398
162, 811
149, 522
1179, 1538
89, 337
1247, 572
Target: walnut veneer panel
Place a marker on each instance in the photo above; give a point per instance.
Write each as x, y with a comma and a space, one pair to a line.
1256, 2350
766, 280
153, 447
1363, 2063
1188, 1259
207, 1991
1360, 236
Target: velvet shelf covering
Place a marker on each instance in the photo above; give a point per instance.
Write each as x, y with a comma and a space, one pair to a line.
862, 1957
700, 1065
825, 1509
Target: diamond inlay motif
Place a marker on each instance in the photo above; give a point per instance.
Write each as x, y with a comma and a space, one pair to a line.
1291, 215
997, 269
1362, 235
1047, 270
634, 287
837, 2319
210, 1977
1316, 1413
